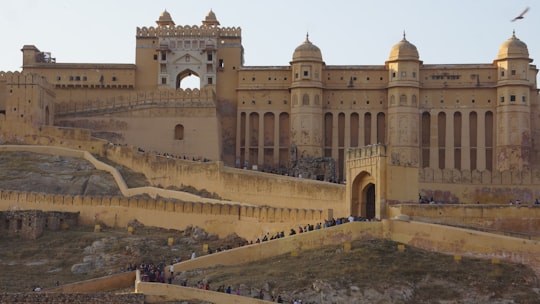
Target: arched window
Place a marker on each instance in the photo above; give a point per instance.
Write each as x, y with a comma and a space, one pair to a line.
179, 132
305, 100
402, 100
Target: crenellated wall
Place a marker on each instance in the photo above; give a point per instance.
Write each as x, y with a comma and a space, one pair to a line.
252, 187
16, 77
188, 31
221, 219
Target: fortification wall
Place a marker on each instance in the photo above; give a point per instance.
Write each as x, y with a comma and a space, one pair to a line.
455, 186
172, 98
88, 298
50, 137
221, 219
17, 78
431, 237
464, 242
252, 187
512, 220
109, 283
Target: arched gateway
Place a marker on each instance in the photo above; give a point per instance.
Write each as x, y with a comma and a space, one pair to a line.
366, 187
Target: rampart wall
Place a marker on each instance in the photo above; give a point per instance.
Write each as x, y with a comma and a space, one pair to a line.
87, 298
16, 77
108, 283
251, 187
512, 220
431, 237
172, 98
470, 187
221, 219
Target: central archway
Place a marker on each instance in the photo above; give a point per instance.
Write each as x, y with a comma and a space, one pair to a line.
369, 199
188, 79
363, 200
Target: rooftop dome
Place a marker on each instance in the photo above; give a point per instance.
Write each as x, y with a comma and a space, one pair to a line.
165, 19
210, 19
513, 48
307, 51
404, 50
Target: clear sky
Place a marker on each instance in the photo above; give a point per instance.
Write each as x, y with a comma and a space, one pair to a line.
348, 32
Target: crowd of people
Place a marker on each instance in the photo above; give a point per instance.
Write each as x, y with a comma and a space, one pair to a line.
152, 272
311, 227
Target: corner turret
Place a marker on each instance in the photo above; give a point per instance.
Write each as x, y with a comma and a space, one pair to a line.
306, 105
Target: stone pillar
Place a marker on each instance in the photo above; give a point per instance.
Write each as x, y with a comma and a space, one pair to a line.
361, 139
247, 142
465, 141
449, 141
374, 128
347, 135
434, 142
481, 141
239, 138
276, 138
335, 136
260, 144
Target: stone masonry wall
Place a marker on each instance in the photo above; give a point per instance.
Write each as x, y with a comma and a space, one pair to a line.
72, 298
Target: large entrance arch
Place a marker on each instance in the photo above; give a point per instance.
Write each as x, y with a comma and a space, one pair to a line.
363, 196
188, 76
367, 182
369, 198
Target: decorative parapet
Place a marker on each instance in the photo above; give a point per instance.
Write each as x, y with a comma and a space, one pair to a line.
188, 31
378, 150
24, 78
205, 97
262, 214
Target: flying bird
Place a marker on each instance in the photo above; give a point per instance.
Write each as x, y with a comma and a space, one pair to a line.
521, 16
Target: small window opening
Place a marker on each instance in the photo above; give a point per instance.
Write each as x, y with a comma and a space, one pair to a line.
179, 132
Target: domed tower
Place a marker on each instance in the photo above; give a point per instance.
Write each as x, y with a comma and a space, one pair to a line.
306, 100
165, 19
211, 19
513, 125
403, 92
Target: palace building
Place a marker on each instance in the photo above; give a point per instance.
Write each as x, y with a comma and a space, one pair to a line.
405, 126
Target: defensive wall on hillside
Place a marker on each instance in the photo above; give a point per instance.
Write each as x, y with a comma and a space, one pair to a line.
50, 137
431, 237
455, 186
252, 187
514, 220
221, 219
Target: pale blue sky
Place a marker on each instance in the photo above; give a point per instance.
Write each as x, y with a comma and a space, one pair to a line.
347, 32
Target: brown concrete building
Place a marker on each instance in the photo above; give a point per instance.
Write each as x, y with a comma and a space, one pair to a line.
435, 123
